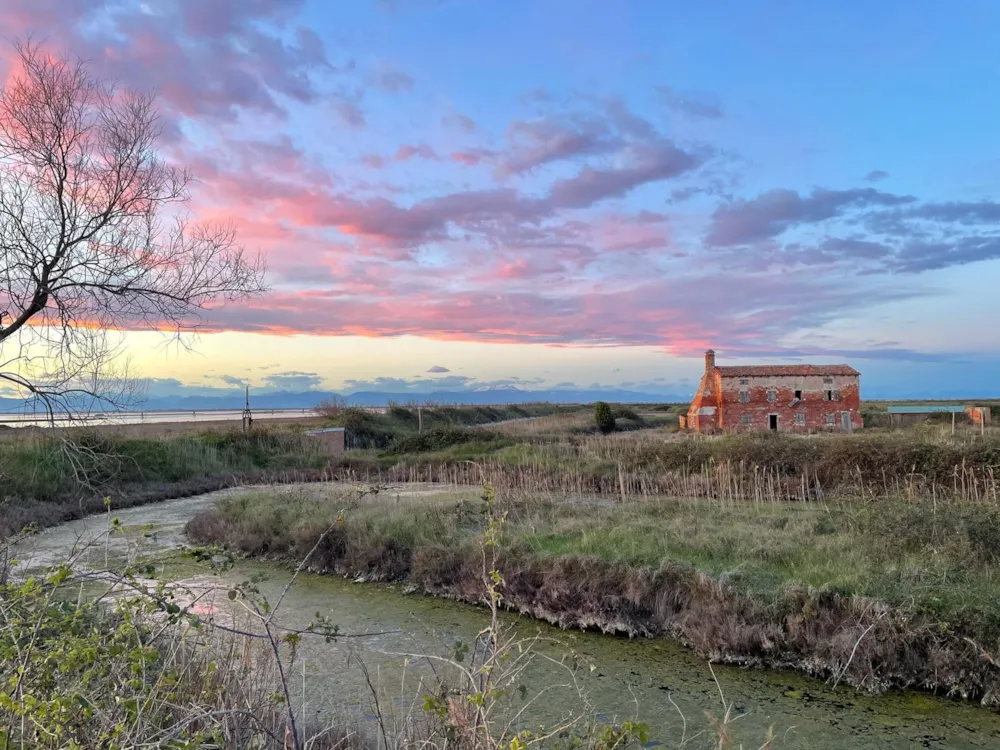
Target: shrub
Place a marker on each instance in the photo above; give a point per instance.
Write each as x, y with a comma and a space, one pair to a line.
330, 408
436, 439
604, 417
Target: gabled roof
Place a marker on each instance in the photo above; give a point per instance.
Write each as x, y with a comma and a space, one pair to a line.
750, 371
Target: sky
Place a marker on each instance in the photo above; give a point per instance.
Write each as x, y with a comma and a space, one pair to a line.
554, 193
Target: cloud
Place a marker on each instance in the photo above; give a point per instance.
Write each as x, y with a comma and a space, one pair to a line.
689, 104
415, 385
876, 175
557, 230
233, 380
423, 151
862, 231
350, 113
160, 387
438, 369
538, 142
293, 381
603, 129
773, 212
205, 59
648, 164
459, 383
387, 77
961, 212
460, 122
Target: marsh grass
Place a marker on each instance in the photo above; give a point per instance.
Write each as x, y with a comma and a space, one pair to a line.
921, 575
50, 468
560, 453
113, 657
46, 479
919, 554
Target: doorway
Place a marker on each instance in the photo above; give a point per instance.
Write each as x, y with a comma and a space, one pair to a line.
845, 421
772, 422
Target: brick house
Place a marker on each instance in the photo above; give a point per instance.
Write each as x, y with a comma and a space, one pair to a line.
776, 397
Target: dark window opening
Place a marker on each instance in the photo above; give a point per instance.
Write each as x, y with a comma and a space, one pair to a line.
828, 395
798, 395
772, 421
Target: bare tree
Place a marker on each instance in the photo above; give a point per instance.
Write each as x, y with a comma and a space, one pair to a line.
93, 236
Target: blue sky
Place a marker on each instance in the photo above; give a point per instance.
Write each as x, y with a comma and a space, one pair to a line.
577, 192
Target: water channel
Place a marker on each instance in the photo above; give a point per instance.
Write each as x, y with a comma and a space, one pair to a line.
657, 679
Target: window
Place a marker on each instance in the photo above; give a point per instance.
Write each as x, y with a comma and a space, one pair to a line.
828, 381
744, 381
745, 420
772, 395
798, 395
831, 419
836, 395
828, 395
744, 397
800, 419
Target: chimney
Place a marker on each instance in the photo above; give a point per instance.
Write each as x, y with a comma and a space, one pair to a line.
709, 360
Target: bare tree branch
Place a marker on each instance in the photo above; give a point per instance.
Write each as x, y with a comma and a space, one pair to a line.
93, 237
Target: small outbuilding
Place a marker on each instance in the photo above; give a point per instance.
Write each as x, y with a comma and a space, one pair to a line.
330, 438
911, 414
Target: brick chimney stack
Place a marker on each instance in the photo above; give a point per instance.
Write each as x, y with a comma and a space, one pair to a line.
709, 360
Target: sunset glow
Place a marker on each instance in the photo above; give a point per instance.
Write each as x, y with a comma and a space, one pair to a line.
559, 193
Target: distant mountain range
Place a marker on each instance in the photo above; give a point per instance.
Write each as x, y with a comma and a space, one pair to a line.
309, 399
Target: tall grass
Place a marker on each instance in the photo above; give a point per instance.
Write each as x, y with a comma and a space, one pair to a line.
783, 584
49, 468
553, 456
47, 479
104, 658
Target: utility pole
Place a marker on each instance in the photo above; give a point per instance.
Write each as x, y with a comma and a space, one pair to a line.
247, 415
420, 419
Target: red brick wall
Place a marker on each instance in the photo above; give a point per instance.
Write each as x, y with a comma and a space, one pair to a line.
813, 405
978, 415
706, 399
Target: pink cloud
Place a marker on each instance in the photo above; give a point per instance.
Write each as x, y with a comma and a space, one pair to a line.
423, 151
539, 246
472, 157
255, 50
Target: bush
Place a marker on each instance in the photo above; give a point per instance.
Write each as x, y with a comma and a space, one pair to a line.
604, 417
441, 438
626, 413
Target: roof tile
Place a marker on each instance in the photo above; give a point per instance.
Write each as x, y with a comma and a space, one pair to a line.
750, 371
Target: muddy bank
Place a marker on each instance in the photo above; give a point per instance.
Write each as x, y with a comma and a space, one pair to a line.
855, 641
848, 639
